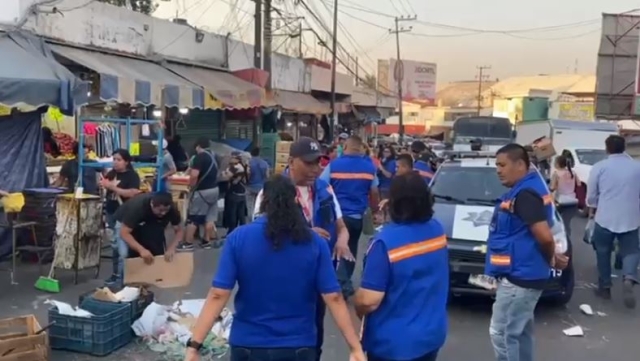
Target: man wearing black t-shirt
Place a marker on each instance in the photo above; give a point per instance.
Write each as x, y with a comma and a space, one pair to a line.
521, 253
148, 214
203, 201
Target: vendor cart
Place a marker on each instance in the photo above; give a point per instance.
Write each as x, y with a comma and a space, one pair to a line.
78, 233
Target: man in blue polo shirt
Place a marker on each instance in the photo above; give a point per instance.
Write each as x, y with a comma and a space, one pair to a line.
354, 179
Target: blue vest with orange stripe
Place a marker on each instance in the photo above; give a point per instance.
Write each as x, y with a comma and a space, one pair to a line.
512, 250
324, 215
351, 178
411, 321
424, 169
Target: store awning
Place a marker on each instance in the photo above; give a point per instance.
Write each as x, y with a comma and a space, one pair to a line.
368, 114
30, 76
341, 107
297, 102
223, 90
135, 81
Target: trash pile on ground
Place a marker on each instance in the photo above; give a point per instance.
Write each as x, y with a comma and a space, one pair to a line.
105, 321
166, 329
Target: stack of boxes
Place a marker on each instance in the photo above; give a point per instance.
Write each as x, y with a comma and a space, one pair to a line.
282, 156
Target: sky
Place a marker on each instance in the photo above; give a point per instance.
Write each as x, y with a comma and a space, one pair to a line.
512, 37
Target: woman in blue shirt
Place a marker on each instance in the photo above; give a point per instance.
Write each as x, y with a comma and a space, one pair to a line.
405, 282
280, 266
386, 169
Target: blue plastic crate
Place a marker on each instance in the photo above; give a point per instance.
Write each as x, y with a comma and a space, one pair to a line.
108, 330
137, 307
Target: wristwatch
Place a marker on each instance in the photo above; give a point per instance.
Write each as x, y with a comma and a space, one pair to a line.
194, 345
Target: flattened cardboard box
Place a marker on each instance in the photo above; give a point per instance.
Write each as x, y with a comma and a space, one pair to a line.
160, 273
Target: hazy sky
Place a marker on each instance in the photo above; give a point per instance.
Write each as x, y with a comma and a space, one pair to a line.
456, 51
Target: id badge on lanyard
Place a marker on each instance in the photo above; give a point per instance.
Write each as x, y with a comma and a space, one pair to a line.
307, 208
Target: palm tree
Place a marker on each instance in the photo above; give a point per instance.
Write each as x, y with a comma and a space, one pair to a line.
370, 81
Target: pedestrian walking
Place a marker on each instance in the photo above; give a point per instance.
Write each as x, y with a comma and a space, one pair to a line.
280, 266
405, 281
203, 198
386, 170
563, 185
235, 199
258, 174
520, 254
319, 205
353, 179
422, 162
613, 191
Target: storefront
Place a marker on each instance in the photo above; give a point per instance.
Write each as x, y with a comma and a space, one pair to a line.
300, 114
232, 104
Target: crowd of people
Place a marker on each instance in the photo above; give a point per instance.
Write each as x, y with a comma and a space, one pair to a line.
304, 230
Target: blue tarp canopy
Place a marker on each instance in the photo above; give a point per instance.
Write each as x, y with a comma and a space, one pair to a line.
30, 77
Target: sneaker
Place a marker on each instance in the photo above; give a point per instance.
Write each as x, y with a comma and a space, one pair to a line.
627, 294
604, 293
111, 281
206, 244
185, 247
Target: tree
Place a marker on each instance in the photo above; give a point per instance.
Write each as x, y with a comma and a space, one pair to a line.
141, 6
370, 81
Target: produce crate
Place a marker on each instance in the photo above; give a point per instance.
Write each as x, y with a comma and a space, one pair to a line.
19, 341
137, 307
108, 330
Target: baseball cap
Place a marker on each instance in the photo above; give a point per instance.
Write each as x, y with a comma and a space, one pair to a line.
305, 148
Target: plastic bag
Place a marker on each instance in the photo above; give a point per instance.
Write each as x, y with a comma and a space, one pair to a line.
588, 231
560, 237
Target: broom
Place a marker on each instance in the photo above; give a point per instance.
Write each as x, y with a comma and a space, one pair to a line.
50, 284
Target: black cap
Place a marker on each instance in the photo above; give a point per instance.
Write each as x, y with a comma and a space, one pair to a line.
305, 148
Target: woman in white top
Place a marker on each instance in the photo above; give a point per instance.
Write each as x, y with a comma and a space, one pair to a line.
563, 185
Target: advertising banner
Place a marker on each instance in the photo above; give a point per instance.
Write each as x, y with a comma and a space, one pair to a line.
418, 79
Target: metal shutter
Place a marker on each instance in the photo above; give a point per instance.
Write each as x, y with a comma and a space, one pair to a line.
199, 123
240, 129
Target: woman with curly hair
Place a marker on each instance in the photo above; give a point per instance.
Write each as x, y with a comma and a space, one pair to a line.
280, 266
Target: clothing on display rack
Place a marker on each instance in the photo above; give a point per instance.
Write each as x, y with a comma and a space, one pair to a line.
107, 140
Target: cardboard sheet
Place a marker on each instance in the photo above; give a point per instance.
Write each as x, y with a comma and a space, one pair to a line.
160, 273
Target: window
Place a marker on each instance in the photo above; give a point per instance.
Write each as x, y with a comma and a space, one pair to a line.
464, 183
590, 156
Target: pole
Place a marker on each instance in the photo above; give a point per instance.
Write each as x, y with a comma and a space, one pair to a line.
268, 38
481, 77
357, 73
300, 40
334, 49
257, 49
399, 71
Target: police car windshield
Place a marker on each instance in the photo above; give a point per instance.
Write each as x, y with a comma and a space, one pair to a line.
474, 185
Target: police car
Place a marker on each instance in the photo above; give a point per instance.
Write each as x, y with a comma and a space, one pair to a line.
465, 189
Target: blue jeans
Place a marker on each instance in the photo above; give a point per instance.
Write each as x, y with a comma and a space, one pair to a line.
511, 327
272, 354
629, 249
120, 249
346, 268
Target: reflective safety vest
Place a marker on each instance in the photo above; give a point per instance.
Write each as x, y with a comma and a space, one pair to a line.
351, 178
424, 169
411, 320
512, 250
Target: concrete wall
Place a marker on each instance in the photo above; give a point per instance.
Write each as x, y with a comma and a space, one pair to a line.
118, 29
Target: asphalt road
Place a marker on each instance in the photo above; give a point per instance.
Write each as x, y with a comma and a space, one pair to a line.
612, 336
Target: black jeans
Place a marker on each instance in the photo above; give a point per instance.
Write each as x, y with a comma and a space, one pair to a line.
431, 356
321, 310
346, 269
272, 354
235, 211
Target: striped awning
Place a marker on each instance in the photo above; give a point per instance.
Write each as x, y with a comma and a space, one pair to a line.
297, 102
223, 90
135, 81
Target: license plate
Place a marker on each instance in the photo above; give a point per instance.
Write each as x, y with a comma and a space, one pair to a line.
483, 281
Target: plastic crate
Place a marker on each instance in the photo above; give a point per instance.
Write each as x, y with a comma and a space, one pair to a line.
137, 307
108, 330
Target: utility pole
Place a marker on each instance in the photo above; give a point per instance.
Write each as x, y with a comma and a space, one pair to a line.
334, 56
398, 71
481, 77
257, 48
268, 40
357, 73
